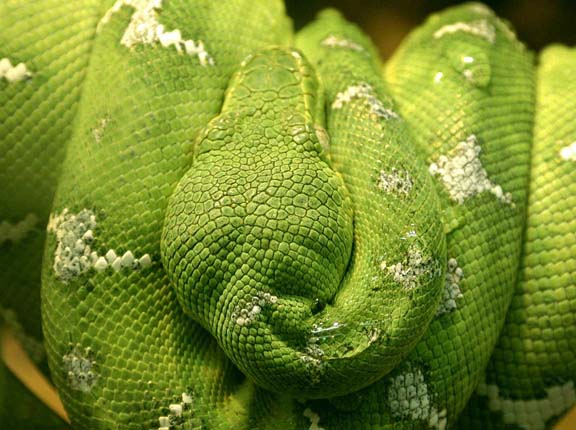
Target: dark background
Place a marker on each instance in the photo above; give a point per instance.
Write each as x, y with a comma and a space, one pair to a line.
537, 22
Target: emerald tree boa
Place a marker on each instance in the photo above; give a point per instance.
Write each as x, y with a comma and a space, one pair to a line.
243, 227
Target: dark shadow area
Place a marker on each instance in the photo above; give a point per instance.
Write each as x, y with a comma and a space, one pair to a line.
537, 22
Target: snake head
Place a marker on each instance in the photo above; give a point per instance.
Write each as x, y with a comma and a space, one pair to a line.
258, 241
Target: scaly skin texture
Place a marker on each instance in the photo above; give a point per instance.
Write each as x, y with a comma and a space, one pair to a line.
478, 114
256, 232
142, 107
535, 355
261, 268
54, 40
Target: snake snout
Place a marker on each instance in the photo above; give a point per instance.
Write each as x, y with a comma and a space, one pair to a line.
253, 242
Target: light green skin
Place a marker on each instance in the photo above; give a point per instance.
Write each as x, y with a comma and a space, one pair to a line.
173, 161
537, 346
36, 119
261, 211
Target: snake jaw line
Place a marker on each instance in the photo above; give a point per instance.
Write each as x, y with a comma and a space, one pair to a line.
293, 221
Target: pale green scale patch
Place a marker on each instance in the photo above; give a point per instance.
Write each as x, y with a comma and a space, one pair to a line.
99, 129
438, 77
312, 359
395, 181
333, 41
15, 232
531, 414
246, 311
12, 73
178, 414
74, 254
144, 28
485, 12
409, 397
568, 153
414, 266
464, 176
365, 92
80, 368
74, 236
454, 275
481, 28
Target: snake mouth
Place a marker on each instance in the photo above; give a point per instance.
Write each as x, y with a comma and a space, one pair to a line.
283, 259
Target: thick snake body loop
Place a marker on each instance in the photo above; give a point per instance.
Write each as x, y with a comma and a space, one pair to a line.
474, 123
132, 142
240, 237
281, 227
532, 367
251, 229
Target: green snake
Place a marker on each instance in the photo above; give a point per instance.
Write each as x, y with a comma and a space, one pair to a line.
240, 227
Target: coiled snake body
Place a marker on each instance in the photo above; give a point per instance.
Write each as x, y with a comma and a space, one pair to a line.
250, 229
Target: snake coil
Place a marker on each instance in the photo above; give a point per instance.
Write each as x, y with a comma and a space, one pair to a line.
240, 227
